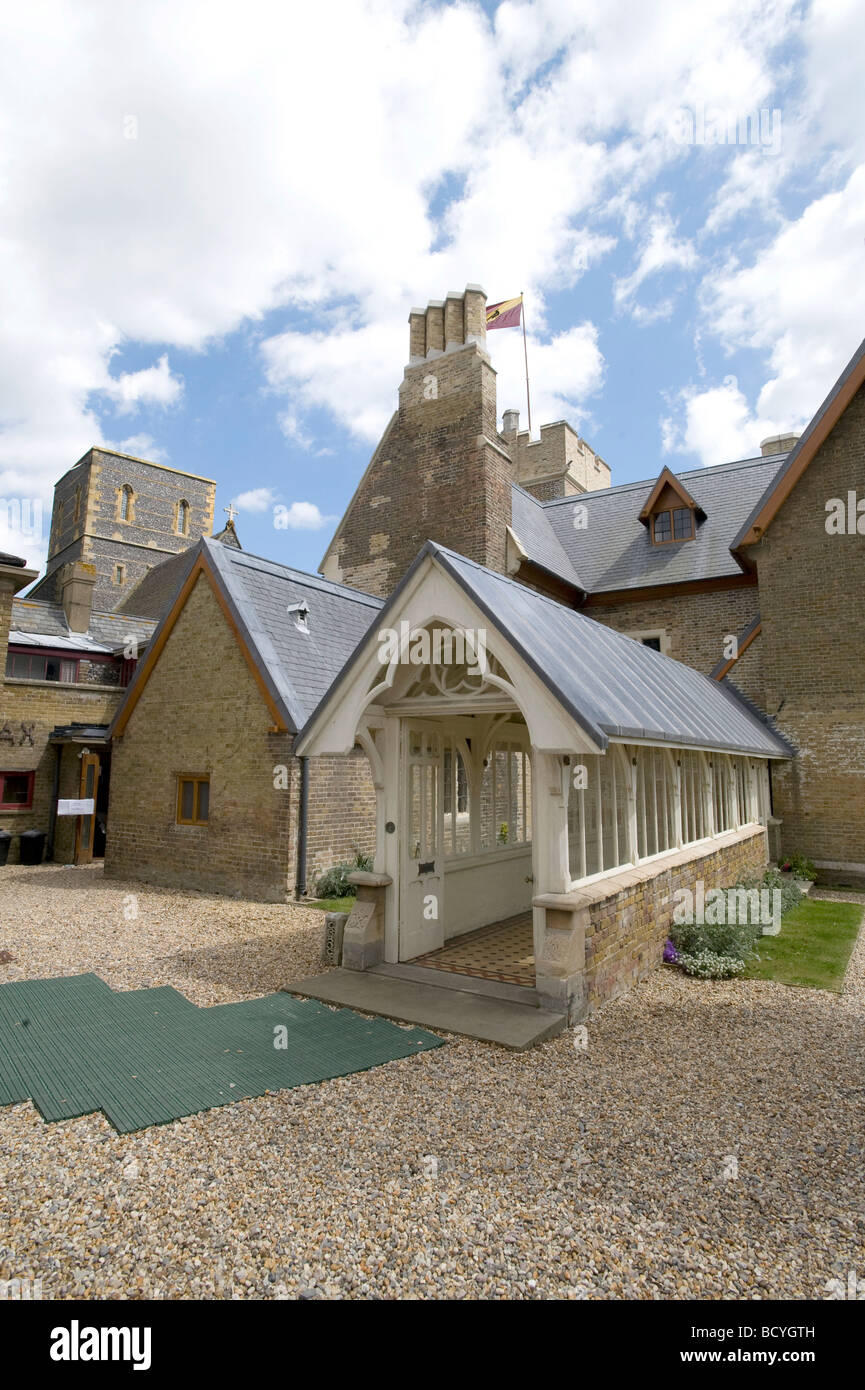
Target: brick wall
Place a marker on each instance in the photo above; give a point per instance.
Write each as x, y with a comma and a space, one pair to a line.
440, 472
29, 710
627, 930
811, 602
202, 713
341, 812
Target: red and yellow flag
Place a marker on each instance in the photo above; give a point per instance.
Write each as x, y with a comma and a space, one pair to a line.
507, 314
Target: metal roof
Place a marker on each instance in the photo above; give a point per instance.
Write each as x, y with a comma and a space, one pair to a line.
301, 664
107, 632
614, 550
77, 643
613, 686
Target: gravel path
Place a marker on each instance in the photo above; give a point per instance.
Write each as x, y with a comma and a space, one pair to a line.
707, 1143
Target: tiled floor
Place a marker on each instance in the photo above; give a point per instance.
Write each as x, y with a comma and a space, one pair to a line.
502, 951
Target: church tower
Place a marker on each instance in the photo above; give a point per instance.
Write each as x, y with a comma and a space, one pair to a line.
122, 515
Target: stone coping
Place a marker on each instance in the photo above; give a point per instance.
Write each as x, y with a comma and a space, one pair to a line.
629, 877
361, 879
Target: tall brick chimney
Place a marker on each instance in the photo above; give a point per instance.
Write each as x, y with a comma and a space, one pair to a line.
439, 472
77, 582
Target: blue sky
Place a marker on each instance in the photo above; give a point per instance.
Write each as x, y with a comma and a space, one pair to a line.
213, 234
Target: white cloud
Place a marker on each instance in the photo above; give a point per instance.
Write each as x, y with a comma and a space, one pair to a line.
800, 302
661, 251
257, 499
300, 516
151, 386
169, 200
142, 446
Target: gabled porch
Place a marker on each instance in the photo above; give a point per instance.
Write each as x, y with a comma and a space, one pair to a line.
531, 767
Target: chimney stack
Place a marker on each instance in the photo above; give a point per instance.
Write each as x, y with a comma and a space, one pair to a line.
511, 422
778, 444
446, 325
77, 582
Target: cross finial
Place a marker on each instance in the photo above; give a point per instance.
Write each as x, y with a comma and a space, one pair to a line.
231, 513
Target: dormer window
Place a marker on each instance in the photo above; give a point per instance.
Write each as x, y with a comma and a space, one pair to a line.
670, 514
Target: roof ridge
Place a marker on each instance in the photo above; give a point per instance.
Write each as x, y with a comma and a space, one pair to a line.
649, 482
319, 580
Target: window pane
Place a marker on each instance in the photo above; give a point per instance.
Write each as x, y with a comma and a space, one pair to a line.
682, 527
69, 670
662, 530
653, 642
18, 665
187, 800
203, 801
16, 789
52, 668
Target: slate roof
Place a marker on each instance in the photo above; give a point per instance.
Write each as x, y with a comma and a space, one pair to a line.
612, 686
108, 631
614, 550
300, 665
155, 591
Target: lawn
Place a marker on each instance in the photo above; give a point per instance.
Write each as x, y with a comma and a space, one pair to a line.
330, 904
812, 947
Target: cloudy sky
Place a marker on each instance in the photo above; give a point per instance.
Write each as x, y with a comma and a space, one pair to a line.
215, 218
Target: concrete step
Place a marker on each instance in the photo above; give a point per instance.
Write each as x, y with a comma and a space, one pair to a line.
451, 979
461, 1011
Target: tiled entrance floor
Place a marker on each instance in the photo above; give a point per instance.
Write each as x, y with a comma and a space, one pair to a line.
502, 951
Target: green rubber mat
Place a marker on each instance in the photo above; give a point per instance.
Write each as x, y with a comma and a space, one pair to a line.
146, 1057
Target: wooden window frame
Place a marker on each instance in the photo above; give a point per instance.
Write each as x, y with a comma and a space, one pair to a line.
41, 654
671, 513
17, 805
197, 781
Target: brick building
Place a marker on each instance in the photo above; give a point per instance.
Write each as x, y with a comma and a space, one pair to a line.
691, 644
122, 534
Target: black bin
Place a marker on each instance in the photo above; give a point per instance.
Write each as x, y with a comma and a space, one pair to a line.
32, 846
5, 842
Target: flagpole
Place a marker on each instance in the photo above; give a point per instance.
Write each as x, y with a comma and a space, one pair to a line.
526, 355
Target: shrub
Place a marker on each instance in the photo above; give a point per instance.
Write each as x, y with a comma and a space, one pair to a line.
709, 965
736, 940
800, 867
334, 882
791, 893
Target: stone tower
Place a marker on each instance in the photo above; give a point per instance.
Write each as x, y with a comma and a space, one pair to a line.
441, 471
122, 515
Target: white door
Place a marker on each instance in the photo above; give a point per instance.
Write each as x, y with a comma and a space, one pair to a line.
422, 849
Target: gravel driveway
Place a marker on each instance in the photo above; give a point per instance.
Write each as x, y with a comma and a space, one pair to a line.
707, 1143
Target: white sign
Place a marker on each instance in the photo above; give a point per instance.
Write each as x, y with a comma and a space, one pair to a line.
76, 808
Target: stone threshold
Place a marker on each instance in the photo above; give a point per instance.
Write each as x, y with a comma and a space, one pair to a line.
452, 979
464, 1012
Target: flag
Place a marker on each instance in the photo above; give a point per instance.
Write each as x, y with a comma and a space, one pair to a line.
507, 314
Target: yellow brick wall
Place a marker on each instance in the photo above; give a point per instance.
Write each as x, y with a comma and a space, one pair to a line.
202, 713
812, 602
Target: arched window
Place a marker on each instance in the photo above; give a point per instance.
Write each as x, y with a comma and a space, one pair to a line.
125, 503
182, 518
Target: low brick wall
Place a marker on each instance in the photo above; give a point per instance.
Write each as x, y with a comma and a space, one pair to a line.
627, 928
